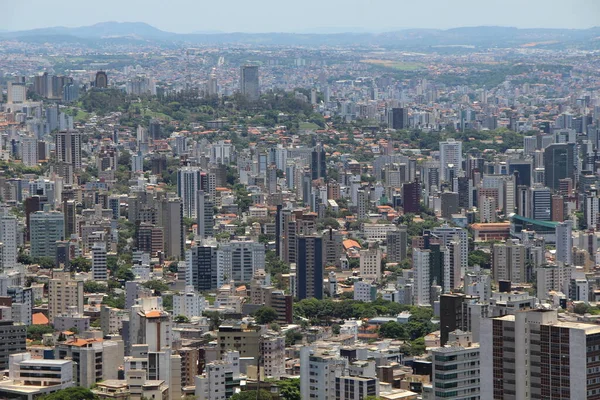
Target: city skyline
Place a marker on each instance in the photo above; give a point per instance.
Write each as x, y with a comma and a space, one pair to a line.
332, 16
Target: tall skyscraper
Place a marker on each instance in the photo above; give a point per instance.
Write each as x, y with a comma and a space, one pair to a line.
309, 267
318, 163
172, 223
249, 82
564, 242
411, 197
8, 238
205, 214
188, 184
47, 228
559, 163
68, 148
450, 159
363, 204
201, 266
422, 277
541, 203
399, 118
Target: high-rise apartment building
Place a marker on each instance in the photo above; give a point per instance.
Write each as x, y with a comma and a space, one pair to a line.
29, 151
318, 163
533, 355
564, 242
319, 369
370, 263
99, 267
422, 276
68, 148
456, 368
12, 340
173, 227
188, 185
205, 214
238, 260
450, 159
8, 238
411, 197
397, 242
309, 267
64, 293
509, 262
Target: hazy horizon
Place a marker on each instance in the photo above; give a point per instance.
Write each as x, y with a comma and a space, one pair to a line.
310, 16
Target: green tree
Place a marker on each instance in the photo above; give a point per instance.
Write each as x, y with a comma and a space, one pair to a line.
252, 395
289, 389
124, 273
156, 285
265, 315
180, 319
479, 257
72, 393
581, 308
215, 319
94, 287
36, 332
45, 262
80, 264
292, 337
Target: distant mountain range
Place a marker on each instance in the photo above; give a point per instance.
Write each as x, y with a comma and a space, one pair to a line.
484, 36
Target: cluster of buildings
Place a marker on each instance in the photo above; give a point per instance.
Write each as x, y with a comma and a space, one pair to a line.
145, 254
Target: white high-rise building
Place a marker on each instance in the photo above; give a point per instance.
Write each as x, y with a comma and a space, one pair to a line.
447, 234
422, 285
29, 151
319, 369
450, 159
99, 267
238, 260
220, 378
564, 242
189, 304
456, 367
370, 263
137, 162
508, 261
188, 184
8, 237
221, 152
17, 92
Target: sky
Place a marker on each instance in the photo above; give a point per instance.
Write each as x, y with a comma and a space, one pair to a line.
187, 16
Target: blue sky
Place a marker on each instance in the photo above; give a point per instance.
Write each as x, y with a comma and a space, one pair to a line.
185, 16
